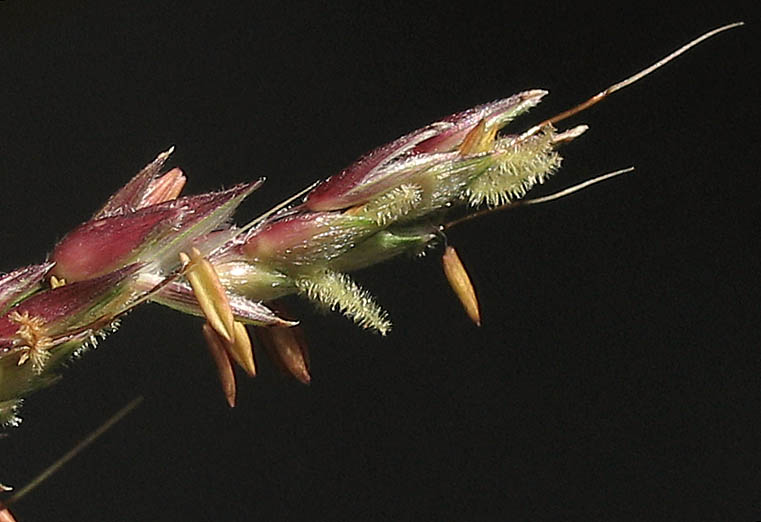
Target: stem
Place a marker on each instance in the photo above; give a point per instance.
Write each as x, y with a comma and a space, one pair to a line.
628, 81
81, 445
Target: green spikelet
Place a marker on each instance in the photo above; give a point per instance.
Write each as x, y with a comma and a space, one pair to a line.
516, 169
339, 292
393, 205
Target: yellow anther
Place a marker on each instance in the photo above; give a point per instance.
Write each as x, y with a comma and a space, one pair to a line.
221, 358
288, 349
240, 349
460, 282
210, 293
56, 283
479, 139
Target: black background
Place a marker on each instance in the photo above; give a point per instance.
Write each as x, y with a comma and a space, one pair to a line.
618, 372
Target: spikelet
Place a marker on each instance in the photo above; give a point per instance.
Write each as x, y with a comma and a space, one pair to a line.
518, 167
393, 205
339, 292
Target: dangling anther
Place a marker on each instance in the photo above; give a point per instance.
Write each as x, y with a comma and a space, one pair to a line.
216, 346
459, 280
210, 293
